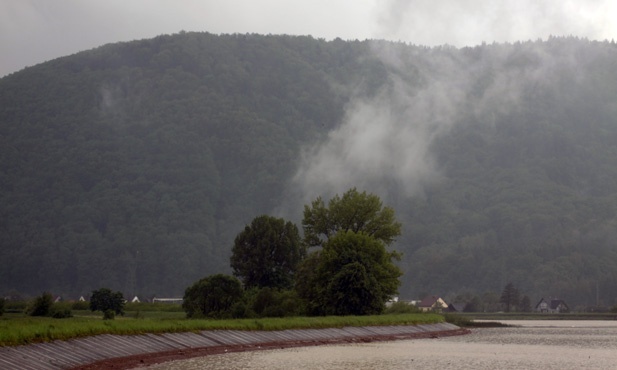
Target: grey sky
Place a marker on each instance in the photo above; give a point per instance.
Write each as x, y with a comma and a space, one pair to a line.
33, 31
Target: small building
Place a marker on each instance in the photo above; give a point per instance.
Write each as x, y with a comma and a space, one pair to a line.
168, 300
135, 300
432, 303
391, 301
552, 306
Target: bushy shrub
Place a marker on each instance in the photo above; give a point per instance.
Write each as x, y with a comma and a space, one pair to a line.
156, 306
41, 306
457, 320
241, 310
104, 299
109, 314
61, 310
269, 302
401, 307
213, 296
292, 304
61, 313
16, 306
1, 306
80, 306
266, 298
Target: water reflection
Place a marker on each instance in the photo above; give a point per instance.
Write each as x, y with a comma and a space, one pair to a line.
533, 344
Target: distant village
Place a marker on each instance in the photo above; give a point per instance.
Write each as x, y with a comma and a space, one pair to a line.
433, 303
437, 304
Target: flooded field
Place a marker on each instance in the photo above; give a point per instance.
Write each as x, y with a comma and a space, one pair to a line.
532, 344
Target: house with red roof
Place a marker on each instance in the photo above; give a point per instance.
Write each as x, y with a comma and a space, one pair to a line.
432, 303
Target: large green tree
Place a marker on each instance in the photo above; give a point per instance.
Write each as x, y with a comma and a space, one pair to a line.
353, 273
356, 275
267, 252
354, 211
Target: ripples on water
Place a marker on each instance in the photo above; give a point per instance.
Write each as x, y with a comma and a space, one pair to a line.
534, 345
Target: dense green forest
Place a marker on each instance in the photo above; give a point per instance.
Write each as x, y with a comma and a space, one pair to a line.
134, 165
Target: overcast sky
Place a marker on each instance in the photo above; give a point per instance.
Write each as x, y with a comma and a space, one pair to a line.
34, 31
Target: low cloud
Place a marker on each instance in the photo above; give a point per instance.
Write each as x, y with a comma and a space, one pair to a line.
384, 143
425, 22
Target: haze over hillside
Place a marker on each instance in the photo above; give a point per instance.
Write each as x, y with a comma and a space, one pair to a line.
134, 165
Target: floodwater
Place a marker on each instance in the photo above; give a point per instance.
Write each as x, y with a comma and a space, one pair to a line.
532, 344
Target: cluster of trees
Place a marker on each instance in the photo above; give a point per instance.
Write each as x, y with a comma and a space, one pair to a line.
134, 165
44, 305
108, 302
510, 300
513, 300
351, 272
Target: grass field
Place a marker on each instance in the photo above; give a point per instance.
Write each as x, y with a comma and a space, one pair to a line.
18, 328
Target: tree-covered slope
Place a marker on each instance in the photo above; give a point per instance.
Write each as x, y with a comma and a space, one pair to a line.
529, 194
134, 165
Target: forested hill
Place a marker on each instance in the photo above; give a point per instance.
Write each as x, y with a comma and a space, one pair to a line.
134, 165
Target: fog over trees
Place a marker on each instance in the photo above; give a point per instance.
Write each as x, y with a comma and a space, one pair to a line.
134, 165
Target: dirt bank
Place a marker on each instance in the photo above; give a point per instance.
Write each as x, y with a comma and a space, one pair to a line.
142, 360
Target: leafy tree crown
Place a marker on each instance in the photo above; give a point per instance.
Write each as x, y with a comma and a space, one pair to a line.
266, 253
354, 211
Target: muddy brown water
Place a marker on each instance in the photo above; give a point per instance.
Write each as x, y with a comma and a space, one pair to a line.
532, 344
